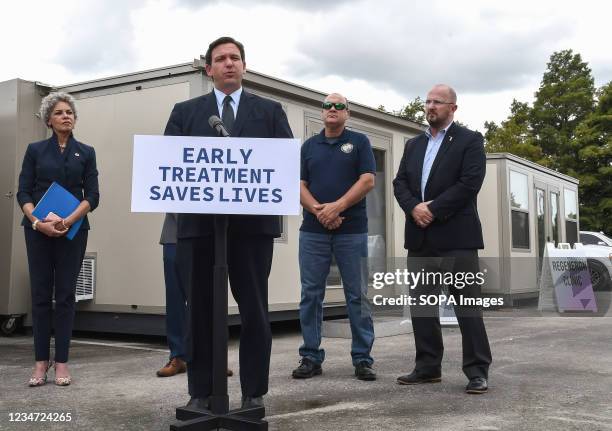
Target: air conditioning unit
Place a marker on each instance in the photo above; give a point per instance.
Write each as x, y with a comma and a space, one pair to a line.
86, 281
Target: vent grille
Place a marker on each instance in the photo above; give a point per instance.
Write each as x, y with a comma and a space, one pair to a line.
87, 279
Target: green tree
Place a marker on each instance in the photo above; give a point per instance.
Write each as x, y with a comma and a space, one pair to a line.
514, 134
567, 129
414, 111
565, 98
593, 145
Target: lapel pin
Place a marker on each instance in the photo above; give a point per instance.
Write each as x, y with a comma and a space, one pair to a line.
450, 139
76, 154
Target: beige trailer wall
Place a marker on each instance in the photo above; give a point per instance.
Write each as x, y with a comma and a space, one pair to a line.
490, 212
283, 284
19, 126
129, 259
398, 218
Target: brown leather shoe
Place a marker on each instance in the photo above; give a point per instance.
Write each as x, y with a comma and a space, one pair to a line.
173, 367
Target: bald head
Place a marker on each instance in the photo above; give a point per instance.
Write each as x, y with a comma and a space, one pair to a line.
448, 91
440, 106
336, 97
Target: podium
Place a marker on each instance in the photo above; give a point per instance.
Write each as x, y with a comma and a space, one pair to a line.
261, 176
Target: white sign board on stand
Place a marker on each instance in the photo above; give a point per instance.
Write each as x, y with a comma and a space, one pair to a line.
447, 311
208, 175
565, 283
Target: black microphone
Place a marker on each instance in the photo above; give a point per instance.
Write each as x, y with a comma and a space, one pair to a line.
217, 124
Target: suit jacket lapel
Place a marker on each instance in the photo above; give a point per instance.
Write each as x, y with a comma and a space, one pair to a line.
446, 143
419, 155
244, 109
208, 108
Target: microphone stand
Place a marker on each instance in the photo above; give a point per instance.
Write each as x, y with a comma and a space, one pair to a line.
219, 416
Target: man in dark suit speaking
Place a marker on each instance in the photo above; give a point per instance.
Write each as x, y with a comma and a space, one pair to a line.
436, 185
250, 237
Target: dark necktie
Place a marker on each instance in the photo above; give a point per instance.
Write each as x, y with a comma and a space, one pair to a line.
228, 114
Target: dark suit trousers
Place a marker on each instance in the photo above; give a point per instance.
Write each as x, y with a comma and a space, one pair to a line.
426, 320
249, 261
53, 262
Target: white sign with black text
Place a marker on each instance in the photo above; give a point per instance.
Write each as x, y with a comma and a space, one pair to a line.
186, 174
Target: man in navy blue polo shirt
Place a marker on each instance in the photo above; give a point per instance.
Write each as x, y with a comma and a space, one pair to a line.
337, 171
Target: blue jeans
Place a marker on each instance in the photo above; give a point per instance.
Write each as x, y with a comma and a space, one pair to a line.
350, 251
176, 308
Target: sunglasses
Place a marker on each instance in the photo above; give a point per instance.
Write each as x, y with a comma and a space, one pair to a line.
337, 106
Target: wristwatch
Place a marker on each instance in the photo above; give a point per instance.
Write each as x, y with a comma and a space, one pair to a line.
34, 224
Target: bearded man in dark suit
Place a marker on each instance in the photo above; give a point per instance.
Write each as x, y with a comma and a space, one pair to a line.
250, 237
436, 185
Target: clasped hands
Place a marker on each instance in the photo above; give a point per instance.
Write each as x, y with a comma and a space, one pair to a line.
329, 214
52, 225
422, 215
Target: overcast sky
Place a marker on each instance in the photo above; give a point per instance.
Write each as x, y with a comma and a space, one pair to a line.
375, 52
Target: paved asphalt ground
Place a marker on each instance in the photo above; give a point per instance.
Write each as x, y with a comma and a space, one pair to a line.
549, 373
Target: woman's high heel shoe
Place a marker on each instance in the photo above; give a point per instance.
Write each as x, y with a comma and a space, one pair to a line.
62, 381
39, 381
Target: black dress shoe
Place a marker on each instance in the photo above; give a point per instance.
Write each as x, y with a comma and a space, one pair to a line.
416, 378
199, 403
477, 385
250, 402
306, 370
364, 371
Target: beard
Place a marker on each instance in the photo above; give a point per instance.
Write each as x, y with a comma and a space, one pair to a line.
435, 120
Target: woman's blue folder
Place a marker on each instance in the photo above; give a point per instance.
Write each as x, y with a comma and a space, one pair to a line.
61, 202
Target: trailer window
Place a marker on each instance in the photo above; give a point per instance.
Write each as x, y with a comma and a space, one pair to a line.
571, 216
554, 216
519, 206
541, 219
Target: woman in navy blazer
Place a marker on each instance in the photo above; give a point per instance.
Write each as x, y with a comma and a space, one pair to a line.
55, 261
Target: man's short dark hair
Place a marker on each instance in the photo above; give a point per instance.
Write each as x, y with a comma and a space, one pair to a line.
221, 41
